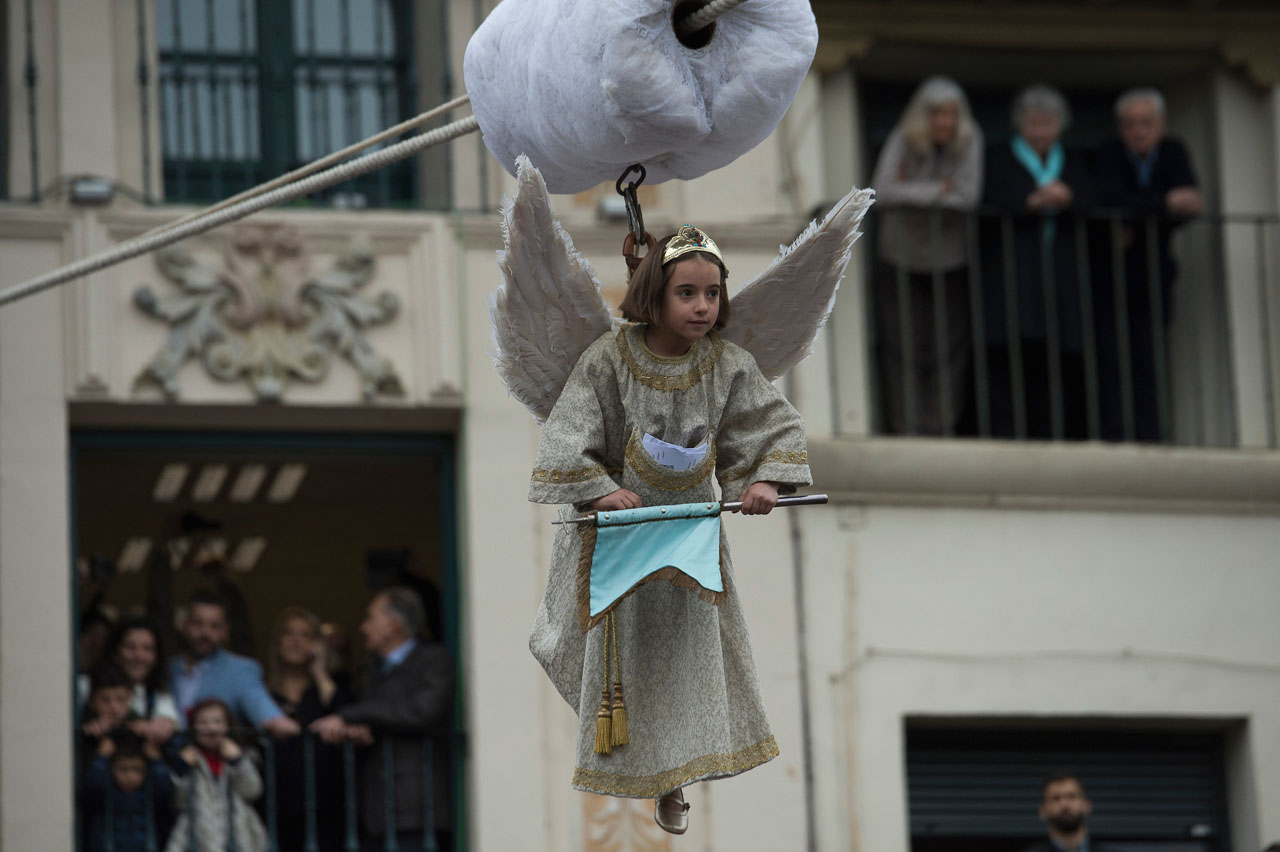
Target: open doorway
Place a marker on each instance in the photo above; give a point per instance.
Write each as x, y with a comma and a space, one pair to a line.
269, 521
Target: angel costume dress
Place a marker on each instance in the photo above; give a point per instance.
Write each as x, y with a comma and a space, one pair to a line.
692, 692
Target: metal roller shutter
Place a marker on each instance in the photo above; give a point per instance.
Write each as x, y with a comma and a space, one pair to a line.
1144, 785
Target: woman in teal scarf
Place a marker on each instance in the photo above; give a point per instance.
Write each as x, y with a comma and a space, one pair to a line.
1035, 327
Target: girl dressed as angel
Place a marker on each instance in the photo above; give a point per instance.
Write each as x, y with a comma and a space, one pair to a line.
666, 386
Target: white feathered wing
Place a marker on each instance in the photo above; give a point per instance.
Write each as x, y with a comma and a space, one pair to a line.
549, 308
778, 316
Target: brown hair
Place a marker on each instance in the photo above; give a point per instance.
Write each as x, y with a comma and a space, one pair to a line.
648, 284
289, 613
204, 704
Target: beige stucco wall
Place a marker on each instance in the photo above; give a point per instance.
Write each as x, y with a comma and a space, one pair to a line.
35, 579
914, 603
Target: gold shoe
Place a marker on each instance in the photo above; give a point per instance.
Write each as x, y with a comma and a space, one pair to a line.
671, 812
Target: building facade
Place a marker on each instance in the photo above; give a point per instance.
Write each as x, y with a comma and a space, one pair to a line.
964, 617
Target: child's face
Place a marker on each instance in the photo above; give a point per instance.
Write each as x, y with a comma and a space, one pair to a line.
129, 773
210, 727
110, 704
691, 299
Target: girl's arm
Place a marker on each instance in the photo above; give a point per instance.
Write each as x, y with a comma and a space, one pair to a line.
245, 781
570, 467
761, 439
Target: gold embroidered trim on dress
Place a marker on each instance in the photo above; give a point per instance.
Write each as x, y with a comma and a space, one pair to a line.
699, 769
670, 573
664, 479
657, 381
775, 457
560, 477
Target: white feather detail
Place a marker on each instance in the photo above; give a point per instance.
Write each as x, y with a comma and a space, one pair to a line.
548, 309
777, 316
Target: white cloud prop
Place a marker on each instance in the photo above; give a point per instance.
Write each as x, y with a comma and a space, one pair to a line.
587, 87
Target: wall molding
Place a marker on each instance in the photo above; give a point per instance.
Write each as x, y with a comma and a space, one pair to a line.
1027, 475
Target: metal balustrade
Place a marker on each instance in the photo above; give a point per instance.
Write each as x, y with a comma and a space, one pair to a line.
1128, 348
348, 838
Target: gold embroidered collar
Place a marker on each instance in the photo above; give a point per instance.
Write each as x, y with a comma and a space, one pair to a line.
669, 374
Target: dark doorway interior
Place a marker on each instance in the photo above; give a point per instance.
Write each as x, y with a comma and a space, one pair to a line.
269, 520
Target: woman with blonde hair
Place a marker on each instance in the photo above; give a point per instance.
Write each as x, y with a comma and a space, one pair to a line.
928, 176
300, 682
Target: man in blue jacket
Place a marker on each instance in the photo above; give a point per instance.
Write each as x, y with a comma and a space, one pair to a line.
207, 670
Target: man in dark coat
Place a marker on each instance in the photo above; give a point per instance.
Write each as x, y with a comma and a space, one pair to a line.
1146, 173
1065, 810
403, 714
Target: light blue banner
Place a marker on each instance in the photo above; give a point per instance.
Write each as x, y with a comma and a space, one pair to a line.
633, 543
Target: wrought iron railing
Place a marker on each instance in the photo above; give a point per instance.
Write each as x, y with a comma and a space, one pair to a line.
1127, 345
249, 90
243, 91
313, 829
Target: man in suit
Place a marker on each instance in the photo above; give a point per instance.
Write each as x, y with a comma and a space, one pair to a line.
1065, 810
404, 714
1148, 174
207, 670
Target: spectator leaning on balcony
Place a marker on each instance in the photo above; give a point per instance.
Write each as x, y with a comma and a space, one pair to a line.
407, 696
931, 162
135, 648
116, 785
206, 670
1147, 173
300, 682
1065, 812
1042, 188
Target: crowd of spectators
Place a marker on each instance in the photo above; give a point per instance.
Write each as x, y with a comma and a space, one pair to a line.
172, 752
1015, 227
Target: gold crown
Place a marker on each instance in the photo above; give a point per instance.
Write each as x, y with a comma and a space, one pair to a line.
688, 239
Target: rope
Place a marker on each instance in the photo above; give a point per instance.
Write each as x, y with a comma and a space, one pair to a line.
302, 181
705, 16
316, 165
211, 219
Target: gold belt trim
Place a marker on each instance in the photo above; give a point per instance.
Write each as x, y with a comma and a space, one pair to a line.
698, 769
659, 477
581, 474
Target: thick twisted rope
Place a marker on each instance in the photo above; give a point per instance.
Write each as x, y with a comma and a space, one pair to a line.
705, 16
207, 221
316, 165
302, 181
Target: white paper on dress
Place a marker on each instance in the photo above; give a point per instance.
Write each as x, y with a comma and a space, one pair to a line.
673, 456
587, 87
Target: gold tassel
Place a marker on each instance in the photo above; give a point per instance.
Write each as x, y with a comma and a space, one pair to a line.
604, 717
604, 726
621, 736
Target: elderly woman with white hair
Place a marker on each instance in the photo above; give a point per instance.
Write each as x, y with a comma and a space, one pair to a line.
1034, 325
928, 176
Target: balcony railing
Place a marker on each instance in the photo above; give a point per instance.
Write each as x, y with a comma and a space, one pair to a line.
326, 769
976, 330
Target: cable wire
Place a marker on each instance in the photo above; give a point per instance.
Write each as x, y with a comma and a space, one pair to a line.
316, 165
211, 219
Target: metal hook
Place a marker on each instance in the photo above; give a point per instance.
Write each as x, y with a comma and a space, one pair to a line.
635, 218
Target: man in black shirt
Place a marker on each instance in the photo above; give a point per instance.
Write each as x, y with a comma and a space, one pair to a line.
1148, 174
1065, 811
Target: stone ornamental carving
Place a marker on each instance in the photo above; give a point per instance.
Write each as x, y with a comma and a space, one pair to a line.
265, 319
